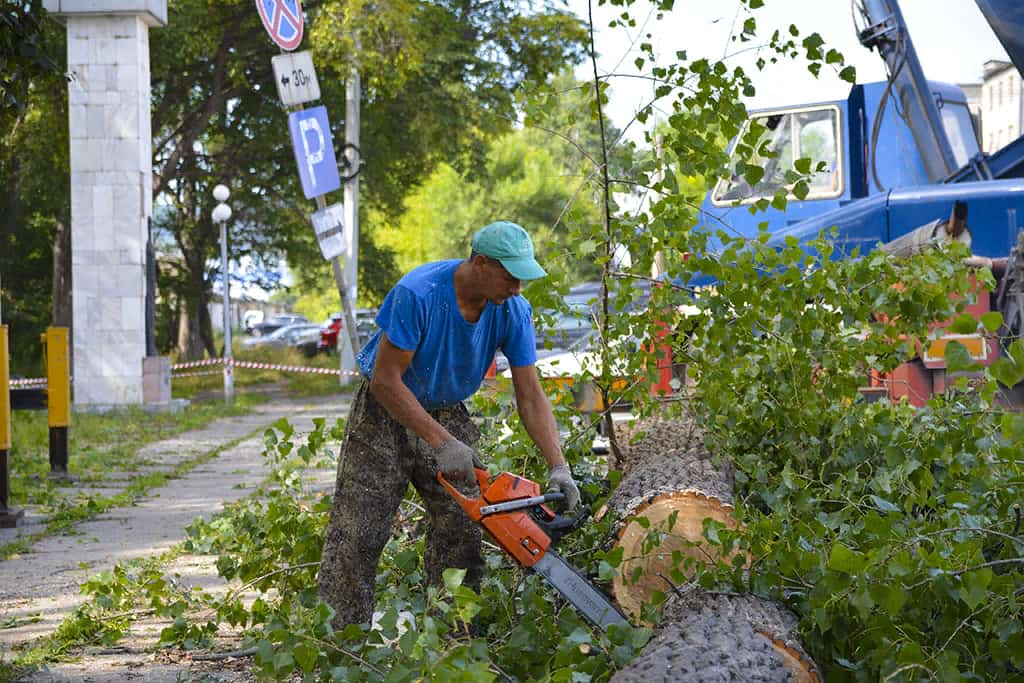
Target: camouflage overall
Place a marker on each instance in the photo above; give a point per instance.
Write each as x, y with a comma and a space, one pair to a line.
379, 457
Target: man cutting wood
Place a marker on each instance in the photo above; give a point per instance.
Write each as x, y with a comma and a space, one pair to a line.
440, 327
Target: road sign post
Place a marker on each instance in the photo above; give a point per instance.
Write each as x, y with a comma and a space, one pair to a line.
310, 130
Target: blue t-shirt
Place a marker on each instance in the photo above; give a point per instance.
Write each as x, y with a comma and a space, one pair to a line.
451, 355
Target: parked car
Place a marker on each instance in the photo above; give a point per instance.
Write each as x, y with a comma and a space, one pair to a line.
290, 335
308, 342
276, 322
366, 325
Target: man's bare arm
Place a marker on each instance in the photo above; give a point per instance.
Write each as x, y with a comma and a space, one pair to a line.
535, 411
390, 391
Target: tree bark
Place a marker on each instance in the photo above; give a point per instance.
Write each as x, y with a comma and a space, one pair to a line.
190, 346
670, 485
195, 334
61, 289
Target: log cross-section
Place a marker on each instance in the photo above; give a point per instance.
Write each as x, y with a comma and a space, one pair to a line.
670, 486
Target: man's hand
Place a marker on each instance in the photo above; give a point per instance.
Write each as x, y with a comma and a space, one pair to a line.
455, 461
560, 479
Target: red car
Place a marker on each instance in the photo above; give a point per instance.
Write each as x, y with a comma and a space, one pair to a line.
365, 324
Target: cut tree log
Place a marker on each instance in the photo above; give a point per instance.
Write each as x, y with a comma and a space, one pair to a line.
670, 485
711, 637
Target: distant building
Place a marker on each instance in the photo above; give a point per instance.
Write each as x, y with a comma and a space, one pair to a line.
1002, 109
972, 91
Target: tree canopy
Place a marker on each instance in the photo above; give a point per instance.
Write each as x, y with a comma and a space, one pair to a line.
35, 204
217, 119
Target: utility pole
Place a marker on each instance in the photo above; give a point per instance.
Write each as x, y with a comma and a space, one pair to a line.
351, 203
296, 81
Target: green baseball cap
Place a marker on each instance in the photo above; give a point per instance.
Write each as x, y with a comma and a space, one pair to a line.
511, 246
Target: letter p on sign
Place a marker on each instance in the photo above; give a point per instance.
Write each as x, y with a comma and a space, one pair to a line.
314, 151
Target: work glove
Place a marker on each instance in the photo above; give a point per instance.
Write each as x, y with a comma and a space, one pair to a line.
560, 479
455, 461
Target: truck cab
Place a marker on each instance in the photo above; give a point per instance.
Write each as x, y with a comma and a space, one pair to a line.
869, 153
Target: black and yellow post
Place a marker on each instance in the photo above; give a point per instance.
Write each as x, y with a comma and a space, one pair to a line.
58, 397
8, 516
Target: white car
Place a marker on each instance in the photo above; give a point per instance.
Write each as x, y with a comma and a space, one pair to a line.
289, 335
581, 357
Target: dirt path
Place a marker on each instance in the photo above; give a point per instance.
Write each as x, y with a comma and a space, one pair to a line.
41, 587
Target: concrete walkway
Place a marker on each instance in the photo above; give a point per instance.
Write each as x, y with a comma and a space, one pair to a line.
39, 588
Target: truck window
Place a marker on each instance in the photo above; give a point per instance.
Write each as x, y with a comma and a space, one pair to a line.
956, 119
809, 133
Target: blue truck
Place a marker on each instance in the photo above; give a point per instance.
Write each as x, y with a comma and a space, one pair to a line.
898, 156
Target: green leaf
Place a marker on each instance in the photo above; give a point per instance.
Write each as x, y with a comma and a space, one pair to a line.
752, 174
889, 596
957, 357
975, 587
453, 578
848, 74
586, 247
964, 324
1012, 425
803, 165
283, 662
1007, 372
801, 190
884, 505
265, 651
306, 656
992, 320
863, 601
846, 560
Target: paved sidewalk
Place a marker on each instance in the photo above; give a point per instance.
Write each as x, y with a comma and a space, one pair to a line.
39, 588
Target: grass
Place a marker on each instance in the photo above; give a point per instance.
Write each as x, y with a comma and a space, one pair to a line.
82, 508
102, 446
99, 447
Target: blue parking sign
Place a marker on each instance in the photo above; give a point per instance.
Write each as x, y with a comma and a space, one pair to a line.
314, 151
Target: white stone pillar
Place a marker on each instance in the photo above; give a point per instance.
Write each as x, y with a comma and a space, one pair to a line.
111, 191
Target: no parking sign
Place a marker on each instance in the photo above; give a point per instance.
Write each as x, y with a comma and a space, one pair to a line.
283, 21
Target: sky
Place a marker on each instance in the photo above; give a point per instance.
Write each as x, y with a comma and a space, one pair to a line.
951, 37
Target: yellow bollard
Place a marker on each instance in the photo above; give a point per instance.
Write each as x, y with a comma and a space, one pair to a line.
8, 517
58, 397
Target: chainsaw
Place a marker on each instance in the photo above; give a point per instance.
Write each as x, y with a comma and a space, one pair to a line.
515, 513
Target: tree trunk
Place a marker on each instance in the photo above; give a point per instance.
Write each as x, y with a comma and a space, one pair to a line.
670, 485
190, 345
61, 290
195, 333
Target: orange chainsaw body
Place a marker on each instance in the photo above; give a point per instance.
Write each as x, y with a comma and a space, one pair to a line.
516, 531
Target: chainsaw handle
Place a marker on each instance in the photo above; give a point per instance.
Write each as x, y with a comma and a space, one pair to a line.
470, 505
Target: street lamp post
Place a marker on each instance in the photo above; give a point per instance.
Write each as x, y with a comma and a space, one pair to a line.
221, 214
